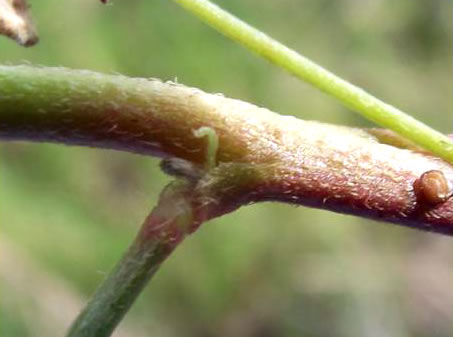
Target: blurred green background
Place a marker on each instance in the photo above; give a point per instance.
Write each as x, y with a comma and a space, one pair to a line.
68, 213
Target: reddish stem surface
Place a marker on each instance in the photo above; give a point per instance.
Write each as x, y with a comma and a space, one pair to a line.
261, 155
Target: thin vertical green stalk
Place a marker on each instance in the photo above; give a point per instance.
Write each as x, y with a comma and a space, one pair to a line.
353, 97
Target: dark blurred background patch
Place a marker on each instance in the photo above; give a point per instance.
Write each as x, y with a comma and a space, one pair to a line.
68, 213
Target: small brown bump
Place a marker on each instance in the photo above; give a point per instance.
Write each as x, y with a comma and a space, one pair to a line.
432, 187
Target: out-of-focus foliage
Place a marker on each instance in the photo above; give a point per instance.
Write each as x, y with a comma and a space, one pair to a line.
67, 214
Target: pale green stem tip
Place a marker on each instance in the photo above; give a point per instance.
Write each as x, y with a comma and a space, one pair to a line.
212, 146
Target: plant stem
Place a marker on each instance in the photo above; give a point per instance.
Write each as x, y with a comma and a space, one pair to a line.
117, 293
353, 97
162, 231
289, 160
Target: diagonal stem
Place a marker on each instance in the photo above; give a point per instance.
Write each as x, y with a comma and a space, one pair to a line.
353, 97
161, 232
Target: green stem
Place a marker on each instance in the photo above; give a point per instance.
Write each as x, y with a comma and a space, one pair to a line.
162, 231
353, 97
115, 296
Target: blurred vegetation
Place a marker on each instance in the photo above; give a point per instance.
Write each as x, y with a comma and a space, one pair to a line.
68, 213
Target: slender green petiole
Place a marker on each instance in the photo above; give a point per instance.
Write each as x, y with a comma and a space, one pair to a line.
163, 230
353, 97
212, 146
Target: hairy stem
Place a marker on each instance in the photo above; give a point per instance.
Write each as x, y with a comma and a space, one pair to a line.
116, 295
280, 158
353, 97
162, 231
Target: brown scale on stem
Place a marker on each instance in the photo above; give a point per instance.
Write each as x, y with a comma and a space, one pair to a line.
432, 187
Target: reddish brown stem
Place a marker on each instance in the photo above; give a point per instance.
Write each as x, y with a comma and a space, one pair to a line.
262, 155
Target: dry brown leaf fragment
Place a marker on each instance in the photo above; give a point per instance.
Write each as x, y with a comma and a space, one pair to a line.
16, 22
